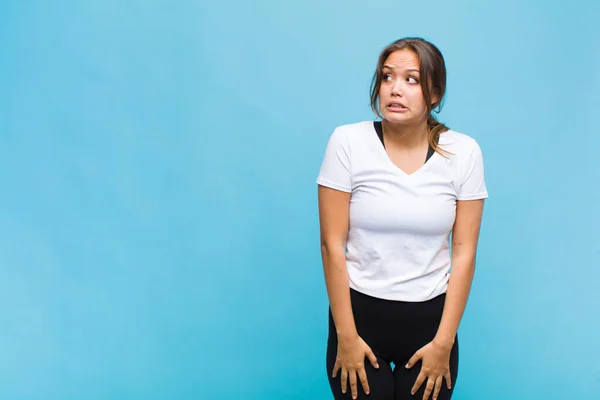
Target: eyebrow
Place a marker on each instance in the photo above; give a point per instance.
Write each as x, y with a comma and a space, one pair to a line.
410, 69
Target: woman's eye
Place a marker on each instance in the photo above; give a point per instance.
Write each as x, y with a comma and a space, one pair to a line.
412, 80
387, 77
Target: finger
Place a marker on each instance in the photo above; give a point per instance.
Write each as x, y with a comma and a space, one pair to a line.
428, 388
353, 385
438, 386
373, 358
344, 380
336, 368
418, 383
448, 380
362, 375
413, 360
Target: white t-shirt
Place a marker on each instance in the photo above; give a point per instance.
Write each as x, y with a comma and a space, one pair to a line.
399, 225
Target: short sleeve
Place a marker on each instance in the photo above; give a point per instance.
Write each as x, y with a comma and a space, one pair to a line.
472, 185
335, 169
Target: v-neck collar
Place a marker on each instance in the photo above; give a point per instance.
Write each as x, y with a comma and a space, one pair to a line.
379, 130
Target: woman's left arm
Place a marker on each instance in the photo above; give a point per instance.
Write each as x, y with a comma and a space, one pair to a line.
465, 236
436, 354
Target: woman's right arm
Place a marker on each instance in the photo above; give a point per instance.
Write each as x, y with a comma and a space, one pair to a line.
334, 208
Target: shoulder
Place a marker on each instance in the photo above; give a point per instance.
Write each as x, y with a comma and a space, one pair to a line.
354, 130
458, 143
350, 136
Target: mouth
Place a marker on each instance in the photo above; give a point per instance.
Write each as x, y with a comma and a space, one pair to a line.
397, 106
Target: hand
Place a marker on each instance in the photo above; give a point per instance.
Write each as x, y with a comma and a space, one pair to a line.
435, 367
350, 359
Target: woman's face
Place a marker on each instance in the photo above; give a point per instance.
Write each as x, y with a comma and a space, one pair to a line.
400, 96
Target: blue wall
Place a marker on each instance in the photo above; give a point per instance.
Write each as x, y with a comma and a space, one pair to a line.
158, 217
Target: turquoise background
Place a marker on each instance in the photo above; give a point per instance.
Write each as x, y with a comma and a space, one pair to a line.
158, 216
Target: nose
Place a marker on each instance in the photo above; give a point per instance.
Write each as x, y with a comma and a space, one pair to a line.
397, 89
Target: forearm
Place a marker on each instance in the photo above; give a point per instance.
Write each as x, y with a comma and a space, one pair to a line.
336, 280
459, 286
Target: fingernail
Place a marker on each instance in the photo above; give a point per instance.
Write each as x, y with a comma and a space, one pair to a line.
376, 365
406, 366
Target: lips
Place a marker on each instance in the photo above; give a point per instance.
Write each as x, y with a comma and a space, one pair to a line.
396, 104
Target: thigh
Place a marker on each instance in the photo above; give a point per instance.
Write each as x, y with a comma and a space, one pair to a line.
404, 379
381, 380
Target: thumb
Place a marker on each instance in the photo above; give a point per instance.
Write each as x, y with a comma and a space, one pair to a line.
416, 357
372, 358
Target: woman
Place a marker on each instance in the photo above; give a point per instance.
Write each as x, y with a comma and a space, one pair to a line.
390, 193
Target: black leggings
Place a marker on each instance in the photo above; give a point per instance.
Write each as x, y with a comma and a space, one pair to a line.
394, 330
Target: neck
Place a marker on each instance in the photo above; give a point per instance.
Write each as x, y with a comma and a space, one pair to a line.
407, 136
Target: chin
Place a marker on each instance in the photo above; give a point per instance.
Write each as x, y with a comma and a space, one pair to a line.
397, 118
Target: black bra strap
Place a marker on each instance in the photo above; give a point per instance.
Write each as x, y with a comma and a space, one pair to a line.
430, 152
379, 130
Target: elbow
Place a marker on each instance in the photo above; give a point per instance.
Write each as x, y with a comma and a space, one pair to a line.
332, 248
464, 263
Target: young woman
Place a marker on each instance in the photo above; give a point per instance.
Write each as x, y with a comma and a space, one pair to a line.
390, 193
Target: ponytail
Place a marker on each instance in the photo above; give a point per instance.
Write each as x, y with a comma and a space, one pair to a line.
436, 128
